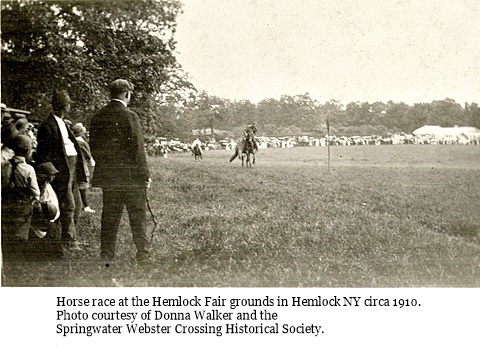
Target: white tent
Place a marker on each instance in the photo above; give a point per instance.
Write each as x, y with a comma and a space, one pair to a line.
439, 131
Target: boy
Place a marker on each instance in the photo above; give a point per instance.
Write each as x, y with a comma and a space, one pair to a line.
19, 192
79, 131
48, 211
45, 221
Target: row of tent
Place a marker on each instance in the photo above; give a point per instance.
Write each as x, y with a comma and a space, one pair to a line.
438, 131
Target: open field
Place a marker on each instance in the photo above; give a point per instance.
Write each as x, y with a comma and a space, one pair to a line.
383, 216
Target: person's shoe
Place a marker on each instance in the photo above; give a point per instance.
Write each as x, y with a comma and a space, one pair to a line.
39, 233
74, 246
88, 209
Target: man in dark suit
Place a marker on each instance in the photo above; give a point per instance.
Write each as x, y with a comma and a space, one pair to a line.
117, 144
57, 144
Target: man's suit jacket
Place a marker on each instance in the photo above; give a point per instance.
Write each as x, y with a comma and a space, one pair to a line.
117, 144
50, 147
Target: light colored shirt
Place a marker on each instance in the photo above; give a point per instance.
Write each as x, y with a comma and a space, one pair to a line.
69, 146
7, 154
49, 195
121, 101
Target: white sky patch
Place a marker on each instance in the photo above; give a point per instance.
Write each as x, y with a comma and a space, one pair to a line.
376, 50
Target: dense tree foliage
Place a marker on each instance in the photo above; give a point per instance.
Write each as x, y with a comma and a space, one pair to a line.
296, 115
83, 45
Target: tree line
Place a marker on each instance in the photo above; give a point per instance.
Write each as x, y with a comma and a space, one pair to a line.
300, 114
81, 46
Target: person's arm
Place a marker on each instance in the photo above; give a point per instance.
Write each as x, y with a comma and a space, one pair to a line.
87, 153
33, 184
138, 146
95, 136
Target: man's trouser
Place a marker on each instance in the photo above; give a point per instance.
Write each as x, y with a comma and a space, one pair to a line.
66, 198
78, 201
113, 203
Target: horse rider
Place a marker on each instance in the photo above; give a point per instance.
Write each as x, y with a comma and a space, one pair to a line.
252, 128
198, 143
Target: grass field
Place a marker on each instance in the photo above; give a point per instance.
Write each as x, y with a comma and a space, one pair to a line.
382, 216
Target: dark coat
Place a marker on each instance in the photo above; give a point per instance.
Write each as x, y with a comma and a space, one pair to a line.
50, 148
117, 144
87, 157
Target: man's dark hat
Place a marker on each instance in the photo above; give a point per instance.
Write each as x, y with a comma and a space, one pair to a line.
120, 86
46, 168
21, 144
20, 123
6, 118
61, 100
8, 134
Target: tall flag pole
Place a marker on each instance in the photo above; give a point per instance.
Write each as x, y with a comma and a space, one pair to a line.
328, 140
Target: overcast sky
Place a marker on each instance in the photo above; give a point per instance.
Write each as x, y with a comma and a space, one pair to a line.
350, 50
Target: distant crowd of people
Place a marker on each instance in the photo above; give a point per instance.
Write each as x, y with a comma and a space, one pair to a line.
156, 147
46, 174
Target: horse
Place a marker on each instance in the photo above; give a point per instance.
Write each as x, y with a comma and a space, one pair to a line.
197, 152
244, 149
247, 150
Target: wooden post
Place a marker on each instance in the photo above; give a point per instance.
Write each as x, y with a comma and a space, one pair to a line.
328, 140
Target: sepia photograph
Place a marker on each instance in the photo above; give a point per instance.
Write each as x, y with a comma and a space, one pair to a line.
240, 144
